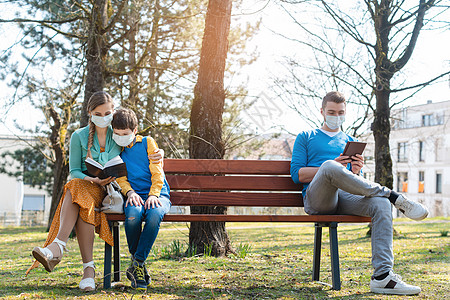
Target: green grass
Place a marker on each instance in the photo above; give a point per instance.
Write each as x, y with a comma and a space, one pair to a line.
277, 264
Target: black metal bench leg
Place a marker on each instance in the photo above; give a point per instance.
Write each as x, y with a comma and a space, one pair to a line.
317, 250
107, 267
116, 251
334, 252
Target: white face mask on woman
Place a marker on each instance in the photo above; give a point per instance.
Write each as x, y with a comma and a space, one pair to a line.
102, 122
123, 140
334, 122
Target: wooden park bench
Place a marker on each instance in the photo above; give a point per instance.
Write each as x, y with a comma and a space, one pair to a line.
252, 183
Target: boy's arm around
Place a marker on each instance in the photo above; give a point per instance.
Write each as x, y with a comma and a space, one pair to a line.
156, 169
157, 176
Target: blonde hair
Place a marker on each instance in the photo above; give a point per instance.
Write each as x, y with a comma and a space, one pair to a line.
97, 99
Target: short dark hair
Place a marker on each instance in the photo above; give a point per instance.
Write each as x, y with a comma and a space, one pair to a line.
124, 118
333, 96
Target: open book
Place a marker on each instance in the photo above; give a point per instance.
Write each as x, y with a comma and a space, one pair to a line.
114, 167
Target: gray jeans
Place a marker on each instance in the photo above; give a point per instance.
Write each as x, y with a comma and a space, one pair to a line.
336, 190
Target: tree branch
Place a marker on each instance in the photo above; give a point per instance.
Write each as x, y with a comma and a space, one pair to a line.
21, 20
24, 72
114, 19
423, 8
421, 84
344, 25
46, 23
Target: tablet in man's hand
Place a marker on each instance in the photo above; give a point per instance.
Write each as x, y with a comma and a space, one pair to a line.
353, 148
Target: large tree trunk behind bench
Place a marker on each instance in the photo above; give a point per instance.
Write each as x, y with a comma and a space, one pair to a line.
206, 120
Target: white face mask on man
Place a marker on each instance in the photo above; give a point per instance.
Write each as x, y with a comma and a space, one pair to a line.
102, 122
123, 140
334, 122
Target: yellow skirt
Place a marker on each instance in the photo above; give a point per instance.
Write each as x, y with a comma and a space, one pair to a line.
88, 196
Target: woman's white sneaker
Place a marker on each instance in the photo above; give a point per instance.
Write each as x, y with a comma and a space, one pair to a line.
411, 209
393, 285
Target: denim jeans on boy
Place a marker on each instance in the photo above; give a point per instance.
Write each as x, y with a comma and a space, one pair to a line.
140, 240
336, 190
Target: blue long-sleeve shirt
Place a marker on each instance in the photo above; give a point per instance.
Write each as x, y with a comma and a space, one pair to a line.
313, 147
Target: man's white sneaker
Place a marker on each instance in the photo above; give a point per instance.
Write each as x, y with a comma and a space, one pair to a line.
411, 209
393, 285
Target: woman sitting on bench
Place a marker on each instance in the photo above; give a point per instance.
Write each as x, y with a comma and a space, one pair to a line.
83, 193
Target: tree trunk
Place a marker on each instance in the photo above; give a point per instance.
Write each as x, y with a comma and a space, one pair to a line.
205, 139
61, 173
385, 69
381, 133
60, 165
133, 83
153, 64
95, 55
384, 72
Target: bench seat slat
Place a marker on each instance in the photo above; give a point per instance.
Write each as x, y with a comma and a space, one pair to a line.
236, 199
213, 166
255, 218
241, 183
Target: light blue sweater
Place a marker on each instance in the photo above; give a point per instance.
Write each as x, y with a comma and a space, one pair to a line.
78, 151
312, 148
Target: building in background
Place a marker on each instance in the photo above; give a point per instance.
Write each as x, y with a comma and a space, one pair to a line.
21, 204
420, 151
265, 147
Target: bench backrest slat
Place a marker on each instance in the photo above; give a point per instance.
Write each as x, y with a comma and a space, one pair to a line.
236, 199
221, 166
241, 183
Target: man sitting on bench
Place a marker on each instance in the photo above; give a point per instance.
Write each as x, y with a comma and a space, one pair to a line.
332, 185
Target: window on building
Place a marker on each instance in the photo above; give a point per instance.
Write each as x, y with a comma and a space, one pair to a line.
438, 183
421, 182
369, 176
438, 208
438, 150
33, 202
421, 151
402, 182
426, 120
401, 152
439, 119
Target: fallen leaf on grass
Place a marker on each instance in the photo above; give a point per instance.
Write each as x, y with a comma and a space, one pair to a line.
27, 295
48, 279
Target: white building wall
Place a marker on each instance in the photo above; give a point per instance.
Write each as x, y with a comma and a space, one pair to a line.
409, 127
13, 189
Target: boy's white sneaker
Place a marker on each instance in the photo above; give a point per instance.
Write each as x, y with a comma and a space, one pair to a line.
411, 209
393, 285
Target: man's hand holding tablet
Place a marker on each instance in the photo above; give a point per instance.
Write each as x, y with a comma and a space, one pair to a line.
353, 148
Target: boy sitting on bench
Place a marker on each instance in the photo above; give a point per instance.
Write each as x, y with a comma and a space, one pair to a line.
147, 193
